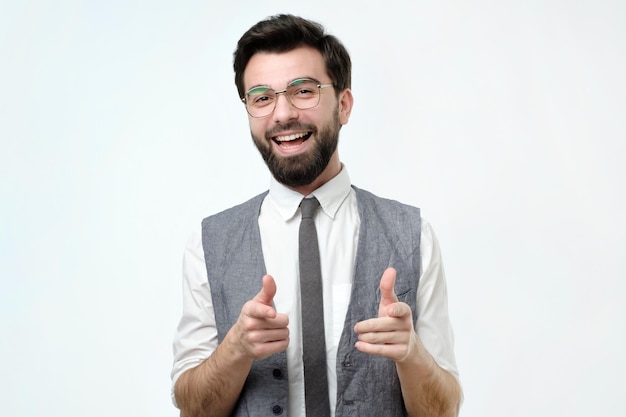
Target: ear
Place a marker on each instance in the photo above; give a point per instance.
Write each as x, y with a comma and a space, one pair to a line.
345, 105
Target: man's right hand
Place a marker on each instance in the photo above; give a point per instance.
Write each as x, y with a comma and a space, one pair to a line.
213, 387
260, 331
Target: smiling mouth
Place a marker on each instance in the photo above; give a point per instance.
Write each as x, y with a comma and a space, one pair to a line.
295, 139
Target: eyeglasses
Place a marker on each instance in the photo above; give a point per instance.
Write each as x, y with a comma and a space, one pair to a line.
303, 93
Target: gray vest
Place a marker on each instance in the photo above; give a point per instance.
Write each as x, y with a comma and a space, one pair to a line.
367, 385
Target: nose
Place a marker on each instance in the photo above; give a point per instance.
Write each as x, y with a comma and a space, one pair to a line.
284, 110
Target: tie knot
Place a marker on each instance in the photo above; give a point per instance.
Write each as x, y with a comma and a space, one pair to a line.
308, 207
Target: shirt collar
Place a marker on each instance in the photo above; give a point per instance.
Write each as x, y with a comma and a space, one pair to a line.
330, 195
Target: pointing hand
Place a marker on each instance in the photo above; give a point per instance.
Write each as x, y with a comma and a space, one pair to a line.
260, 331
391, 334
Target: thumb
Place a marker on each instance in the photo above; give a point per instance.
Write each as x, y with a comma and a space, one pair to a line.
267, 293
387, 292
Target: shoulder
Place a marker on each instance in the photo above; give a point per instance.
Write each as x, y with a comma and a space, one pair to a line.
370, 202
238, 211
393, 221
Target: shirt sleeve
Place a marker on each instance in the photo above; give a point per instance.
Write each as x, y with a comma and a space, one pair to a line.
433, 323
196, 335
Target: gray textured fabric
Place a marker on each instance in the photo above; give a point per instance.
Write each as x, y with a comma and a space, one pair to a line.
312, 306
367, 385
234, 259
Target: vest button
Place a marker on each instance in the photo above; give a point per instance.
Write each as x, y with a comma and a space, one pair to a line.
277, 410
277, 373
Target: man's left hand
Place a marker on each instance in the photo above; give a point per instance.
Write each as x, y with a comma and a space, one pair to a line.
391, 334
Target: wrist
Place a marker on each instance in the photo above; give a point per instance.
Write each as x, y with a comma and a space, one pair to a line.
232, 348
418, 360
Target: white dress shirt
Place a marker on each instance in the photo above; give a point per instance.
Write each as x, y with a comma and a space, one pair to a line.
338, 233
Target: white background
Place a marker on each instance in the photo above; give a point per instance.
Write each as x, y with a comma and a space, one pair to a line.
121, 129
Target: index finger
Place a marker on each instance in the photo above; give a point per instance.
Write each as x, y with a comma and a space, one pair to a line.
398, 310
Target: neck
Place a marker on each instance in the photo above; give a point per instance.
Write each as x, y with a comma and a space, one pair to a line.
332, 169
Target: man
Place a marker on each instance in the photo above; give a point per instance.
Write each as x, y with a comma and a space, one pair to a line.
239, 345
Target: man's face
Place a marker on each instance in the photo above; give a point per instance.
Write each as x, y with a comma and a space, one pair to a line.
296, 145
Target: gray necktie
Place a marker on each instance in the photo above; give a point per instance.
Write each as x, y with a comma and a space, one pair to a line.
313, 339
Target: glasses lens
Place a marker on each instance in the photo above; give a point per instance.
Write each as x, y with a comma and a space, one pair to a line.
303, 93
260, 101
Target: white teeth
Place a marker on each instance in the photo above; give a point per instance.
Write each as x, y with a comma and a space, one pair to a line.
290, 137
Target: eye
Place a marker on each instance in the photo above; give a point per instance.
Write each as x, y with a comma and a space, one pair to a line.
303, 88
260, 99
303, 91
260, 96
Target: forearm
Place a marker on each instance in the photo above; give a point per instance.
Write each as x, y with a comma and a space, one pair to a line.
427, 389
212, 388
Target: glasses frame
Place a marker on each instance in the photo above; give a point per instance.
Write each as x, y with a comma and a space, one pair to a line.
318, 85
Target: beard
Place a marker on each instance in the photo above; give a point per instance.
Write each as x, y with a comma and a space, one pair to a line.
302, 169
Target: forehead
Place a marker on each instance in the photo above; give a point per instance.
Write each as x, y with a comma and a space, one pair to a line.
276, 70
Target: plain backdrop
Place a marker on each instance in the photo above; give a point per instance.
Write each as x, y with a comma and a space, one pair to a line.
121, 128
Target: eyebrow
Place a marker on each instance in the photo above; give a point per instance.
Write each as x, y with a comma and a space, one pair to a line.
289, 83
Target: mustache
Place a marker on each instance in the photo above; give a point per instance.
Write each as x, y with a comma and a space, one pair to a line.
276, 130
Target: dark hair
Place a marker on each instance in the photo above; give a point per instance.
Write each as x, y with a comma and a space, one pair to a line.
284, 33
